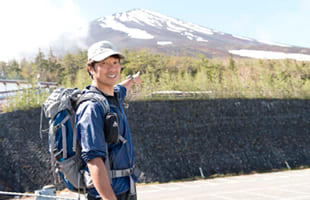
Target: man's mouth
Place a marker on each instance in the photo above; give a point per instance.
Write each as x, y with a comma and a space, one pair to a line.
112, 76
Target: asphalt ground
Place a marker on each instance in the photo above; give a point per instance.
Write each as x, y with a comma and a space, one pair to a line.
284, 185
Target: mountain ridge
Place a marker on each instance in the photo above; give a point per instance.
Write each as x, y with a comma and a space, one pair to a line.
141, 28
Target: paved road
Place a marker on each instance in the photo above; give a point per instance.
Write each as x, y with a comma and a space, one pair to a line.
287, 185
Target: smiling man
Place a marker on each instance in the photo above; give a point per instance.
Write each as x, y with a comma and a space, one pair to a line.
97, 153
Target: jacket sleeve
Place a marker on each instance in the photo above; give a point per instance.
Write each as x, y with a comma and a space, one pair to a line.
122, 92
90, 126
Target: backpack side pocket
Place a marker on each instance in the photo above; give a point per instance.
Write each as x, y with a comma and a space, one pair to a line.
70, 169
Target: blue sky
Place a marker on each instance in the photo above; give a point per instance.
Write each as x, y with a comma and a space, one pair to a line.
32, 24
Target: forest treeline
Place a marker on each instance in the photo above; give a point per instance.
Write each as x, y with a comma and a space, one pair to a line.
223, 78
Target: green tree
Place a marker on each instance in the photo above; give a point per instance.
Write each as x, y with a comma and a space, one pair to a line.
3, 71
27, 70
71, 64
232, 65
13, 70
55, 70
41, 66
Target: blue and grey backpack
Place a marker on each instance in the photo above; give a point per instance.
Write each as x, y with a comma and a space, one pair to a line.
60, 108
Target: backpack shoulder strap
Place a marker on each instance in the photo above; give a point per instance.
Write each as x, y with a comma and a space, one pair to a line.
92, 95
95, 95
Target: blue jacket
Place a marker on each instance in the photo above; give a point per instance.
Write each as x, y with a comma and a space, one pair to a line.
90, 131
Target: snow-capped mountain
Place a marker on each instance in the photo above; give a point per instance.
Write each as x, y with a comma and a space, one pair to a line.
141, 28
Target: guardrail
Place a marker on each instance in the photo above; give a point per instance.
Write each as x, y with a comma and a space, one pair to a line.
20, 82
10, 88
175, 93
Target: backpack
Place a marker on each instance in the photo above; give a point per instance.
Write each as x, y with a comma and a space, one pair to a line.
60, 108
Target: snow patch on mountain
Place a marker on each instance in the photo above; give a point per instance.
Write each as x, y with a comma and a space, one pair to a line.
162, 43
242, 38
110, 22
158, 20
174, 28
270, 54
139, 17
275, 44
200, 39
144, 17
261, 41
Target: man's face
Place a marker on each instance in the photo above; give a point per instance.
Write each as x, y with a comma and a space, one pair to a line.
107, 71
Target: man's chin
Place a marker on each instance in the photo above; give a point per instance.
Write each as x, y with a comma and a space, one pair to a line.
113, 82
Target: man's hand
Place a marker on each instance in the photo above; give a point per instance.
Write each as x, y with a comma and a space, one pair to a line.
129, 82
137, 78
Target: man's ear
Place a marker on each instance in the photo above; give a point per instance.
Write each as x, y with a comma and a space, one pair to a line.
90, 69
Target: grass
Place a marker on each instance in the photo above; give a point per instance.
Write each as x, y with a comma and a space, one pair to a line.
249, 79
225, 78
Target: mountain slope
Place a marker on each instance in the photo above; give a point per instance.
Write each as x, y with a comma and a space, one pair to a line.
141, 28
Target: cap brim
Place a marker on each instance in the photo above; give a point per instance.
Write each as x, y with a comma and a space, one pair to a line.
105, 55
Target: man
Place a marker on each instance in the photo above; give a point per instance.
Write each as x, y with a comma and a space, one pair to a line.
104, 68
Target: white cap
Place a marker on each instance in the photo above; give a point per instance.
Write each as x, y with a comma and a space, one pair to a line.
102, 50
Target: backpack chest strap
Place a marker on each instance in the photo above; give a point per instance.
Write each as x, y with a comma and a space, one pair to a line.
121, 173
126, 172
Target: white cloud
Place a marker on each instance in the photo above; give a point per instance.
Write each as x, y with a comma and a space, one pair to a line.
29, 25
